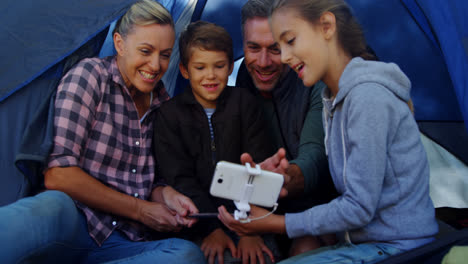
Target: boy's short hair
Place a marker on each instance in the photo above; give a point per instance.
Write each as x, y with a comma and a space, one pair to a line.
206, 36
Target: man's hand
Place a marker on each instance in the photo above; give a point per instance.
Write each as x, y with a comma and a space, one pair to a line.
295, 183
214, 245
276, 163
250, 248
270, 224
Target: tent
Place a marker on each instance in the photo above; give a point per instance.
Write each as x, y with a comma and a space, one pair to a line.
43, 39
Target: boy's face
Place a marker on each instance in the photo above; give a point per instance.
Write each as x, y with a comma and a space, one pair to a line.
208, 73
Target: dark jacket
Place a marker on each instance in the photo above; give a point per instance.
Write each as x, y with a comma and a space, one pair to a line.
298, 113
186, 154
291, 100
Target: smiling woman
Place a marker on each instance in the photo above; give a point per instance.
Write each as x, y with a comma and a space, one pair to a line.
102, 146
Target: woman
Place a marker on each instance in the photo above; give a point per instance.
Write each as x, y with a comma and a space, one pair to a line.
376, 158
102, 147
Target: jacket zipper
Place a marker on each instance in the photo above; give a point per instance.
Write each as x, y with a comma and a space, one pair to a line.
213, 152
213, 144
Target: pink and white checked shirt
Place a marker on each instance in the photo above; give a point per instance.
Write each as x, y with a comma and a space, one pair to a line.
97, 128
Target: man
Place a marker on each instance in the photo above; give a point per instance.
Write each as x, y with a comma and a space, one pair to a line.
293, 113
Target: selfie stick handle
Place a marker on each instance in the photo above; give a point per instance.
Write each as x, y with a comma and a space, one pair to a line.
243, 206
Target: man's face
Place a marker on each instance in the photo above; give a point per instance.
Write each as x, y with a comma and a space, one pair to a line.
262, 55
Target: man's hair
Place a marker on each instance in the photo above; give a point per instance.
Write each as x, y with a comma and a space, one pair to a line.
255, 8
206, 36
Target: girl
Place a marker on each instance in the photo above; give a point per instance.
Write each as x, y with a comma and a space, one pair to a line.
376, 159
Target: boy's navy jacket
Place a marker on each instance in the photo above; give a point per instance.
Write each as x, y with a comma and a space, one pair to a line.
186, 155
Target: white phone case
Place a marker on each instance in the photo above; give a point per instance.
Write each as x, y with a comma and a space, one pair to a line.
230, 179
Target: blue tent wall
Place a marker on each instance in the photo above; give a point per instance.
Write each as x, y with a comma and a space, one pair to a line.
396, 37
425, 38
36, 36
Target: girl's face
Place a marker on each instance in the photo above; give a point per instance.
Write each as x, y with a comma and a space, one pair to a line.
304, 46
143, 55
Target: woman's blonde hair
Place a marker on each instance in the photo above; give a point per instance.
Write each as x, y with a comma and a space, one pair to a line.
142, 13
349, 32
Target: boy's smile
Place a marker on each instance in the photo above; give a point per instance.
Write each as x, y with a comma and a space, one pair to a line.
208, 73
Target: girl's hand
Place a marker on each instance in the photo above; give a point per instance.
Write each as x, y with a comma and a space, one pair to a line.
214, 245
270, 224
252, 247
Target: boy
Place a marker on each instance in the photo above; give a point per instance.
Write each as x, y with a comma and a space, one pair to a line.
205, 124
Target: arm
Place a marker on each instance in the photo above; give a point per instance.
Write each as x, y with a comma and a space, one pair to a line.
270, 224
366, 149
75, 110
88, 190
309, 171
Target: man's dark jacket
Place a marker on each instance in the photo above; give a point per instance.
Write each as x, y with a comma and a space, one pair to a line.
291, 101
298, 112
187, 156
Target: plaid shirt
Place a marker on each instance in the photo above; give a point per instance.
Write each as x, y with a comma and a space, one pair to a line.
97, 128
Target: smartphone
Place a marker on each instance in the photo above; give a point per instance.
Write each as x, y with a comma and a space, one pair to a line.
230, 179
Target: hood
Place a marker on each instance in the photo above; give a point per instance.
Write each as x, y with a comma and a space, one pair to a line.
360, 71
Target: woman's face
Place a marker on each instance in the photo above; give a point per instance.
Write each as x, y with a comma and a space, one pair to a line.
303, 45
143, 55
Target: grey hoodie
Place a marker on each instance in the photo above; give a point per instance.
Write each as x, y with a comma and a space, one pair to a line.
377, 162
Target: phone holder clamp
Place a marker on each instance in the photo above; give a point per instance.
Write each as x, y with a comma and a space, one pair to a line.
242, 205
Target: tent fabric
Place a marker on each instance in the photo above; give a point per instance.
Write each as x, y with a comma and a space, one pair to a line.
446, 25
39, 36
448, 176
450, 25
395, 36
36, 37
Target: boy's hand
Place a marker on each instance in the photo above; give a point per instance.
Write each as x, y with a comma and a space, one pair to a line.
252, 247
276, 163
215, 244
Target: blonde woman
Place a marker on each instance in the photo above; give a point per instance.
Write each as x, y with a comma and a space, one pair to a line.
102, 147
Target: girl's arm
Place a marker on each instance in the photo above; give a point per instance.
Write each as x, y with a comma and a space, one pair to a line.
270, 224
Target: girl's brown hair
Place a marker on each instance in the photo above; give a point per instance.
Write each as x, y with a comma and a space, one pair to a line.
349, 32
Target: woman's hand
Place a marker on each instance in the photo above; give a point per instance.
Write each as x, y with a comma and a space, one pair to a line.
181, 204
270, 224
250, 248
157, 216
214, 245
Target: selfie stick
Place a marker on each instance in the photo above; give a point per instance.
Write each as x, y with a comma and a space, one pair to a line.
243, 205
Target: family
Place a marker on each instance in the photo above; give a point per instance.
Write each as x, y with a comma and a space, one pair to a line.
130, 165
